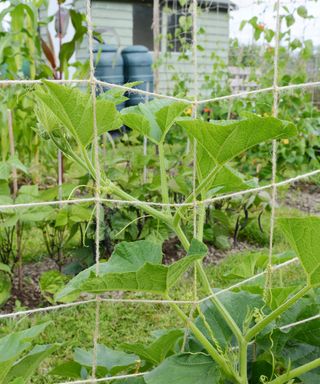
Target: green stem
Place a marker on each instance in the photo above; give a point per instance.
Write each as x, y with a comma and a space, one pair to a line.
163, 177
243, 348
296, 372
206, 284
201, 220
222, 310
182, 237
112, 188
243, 345
176, 227
276, 313
203, 184
223, 363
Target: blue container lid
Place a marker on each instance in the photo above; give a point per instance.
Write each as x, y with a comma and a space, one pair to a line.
105, 48
135, 49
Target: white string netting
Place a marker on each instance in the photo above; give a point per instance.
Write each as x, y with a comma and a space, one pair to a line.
175, 9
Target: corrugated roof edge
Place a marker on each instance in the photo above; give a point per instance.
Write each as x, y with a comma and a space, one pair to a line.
214, 4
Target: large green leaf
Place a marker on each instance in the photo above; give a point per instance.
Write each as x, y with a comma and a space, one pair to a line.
197, 251
223, 142
5, 285
12, 345
304, 333
72, 109
153, 119
239, 305
229, 180
158, 350
141, 271
303, 236
185, 368
154, 278
29, 363
149, 278
111, 360
130, 380
126, 257
226, 178
70, 369
296, 355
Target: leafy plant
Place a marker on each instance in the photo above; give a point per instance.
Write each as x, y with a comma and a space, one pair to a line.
137, 266
19, 359
295, 56
5, 283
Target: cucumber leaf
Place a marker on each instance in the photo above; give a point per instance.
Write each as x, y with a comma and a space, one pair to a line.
133, 267
186, 368
69, 108
223, 142
303, 235
157, 351
153, 119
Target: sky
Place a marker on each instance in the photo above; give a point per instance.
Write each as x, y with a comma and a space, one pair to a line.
308, 29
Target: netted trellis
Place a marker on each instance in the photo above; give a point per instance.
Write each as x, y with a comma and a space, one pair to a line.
182, 40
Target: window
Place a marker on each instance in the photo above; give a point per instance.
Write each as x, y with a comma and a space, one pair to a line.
179, 32
142, 25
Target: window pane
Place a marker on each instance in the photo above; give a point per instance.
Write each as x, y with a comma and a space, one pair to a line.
142, 25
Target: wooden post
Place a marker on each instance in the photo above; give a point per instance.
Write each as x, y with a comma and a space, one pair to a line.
15, 192
156, 43
12, 154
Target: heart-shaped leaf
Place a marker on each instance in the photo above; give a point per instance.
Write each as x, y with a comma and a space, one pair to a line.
60, 106
158, 350
141, 272
111, 360
238, 304
303, 235
126, 257
153, 119
223, 142
25, 367
185, 368
12, 345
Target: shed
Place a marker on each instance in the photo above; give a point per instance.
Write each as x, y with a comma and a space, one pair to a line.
129, 22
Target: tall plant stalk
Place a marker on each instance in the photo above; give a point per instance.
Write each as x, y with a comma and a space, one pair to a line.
18, 227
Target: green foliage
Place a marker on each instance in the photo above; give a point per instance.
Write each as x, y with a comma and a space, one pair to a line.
220, 333
302, 235
133, 267
5, 283
50, 283
157, 351
61, 106
185, 368
153, 119
16, 366
223, 142
109, 361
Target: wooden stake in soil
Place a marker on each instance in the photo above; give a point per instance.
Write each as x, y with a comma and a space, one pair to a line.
12, 154
18, 227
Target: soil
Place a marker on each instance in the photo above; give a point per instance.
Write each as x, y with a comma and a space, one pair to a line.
30, 296
173, 252
304, 197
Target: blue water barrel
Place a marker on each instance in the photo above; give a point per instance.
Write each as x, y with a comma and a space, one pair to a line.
108, 64
137, 62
